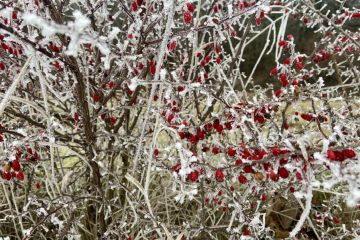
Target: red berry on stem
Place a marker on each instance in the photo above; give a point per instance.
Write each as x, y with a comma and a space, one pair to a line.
16, 165
216, 8
258, 21
172, 46
242, 179
6, 175
231, 152
20, 176
14, 15
282, 43
238, 162
187, 17
113, 120
274, 71
96, 97
190, 7
278, 93
134, 6
283, 172
156, 152
193, 176
76, 116
219, 175
218, 60
349, 153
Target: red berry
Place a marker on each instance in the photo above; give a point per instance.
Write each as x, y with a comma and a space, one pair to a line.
283, 161
258, 21
349, 153
274, 71
336, 220
57, 65
218, 60
231, 152
193, 176
103, 116
134, 6
96, 97
207, 58
76, 116
190, 7
14, 15
16, 165
298, 176
6, 175
219, 128
180, 88
54, 48
262, 13
299, 66
242, 179
193, 138
187, 17
113, 120
181, 135
172, 46
152, 68
216, 8
263, 197
2, 66
246, 232
216, 150
219, 175
282, 43
4, 46
307, 117
248, 169
200, 134
156, 152
283, 172
170, 117
283, 77
278, 93
208, 127
260, 119
355, 15
238, 162
20, 176
228, 125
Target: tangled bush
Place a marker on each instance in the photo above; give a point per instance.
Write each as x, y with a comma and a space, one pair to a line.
136, 119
